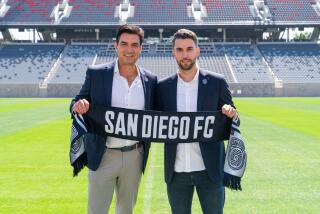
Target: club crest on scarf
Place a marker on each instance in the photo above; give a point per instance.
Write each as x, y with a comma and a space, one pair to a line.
236, 158
77, 153
236, 154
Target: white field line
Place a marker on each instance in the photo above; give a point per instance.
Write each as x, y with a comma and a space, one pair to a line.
147, 193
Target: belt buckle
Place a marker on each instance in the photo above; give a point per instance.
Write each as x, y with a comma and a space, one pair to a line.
130, 148
127, 148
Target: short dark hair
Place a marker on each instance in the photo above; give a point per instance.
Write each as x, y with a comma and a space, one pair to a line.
184, 34
130, 29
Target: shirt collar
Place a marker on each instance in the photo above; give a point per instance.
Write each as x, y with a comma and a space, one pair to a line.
116, 68
193, 81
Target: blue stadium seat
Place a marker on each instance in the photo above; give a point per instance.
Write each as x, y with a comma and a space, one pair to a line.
296, 10
293, 63
27, 63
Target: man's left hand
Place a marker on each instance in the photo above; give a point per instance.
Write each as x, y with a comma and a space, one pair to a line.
229, 111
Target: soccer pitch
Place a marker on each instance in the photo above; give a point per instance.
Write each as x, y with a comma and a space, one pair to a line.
282, 137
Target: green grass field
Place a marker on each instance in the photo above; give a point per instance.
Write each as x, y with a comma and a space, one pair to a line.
283, 173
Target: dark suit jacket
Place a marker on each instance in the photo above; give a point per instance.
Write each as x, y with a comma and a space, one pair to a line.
213, 93
97, 89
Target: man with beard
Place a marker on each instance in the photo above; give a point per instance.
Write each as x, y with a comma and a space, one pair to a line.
196, 165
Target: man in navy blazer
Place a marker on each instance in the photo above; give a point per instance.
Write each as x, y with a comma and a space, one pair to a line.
116, 164
196, 165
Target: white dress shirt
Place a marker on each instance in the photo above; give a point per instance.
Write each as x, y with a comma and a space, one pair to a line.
188, 156
124, 96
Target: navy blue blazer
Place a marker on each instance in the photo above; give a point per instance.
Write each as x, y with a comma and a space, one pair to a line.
97, 89
213, 93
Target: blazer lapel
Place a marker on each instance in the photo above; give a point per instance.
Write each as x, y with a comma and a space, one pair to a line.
146, 88
172, 93
203, 81
108, 79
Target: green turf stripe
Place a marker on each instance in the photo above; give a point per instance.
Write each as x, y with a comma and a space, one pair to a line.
280, 162
301, 120
146, 195
16, 121
306, 100
9, 105
292, 104
36, 172
58, 128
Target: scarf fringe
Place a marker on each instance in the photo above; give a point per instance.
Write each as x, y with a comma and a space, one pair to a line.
232, 182
79, 164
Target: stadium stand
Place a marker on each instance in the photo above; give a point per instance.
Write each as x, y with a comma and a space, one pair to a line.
78, 56
27, 63
293, 11
238, 62
210, 59
152, 11
163, 69
293, 62
247, 63
236, 26
36, 11
213, 58
98, 11
227, 10
75, 60
106, 12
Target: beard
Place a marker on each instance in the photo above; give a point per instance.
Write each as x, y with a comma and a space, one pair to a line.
186, 66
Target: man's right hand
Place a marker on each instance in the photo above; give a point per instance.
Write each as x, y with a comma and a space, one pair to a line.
81, 106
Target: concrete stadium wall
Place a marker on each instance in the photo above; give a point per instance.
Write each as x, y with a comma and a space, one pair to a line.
243, 90
298, 90
252, 89
269, 90
63, 90
19, 90
237, 90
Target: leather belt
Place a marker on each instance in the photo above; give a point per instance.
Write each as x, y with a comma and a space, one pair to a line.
127, 148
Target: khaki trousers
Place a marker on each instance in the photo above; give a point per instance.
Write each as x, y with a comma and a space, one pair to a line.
119, 172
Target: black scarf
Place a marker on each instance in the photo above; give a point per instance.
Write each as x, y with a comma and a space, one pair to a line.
167, 127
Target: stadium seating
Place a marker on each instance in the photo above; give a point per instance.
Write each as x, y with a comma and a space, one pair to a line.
147, 11
290, 11
293, 62
238, 62
158, 11
78, 56
212, 58
169, 66
104, 57
30, 11
227, 10
75, 60
99, 11
163, 69
247, 63
27, 63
